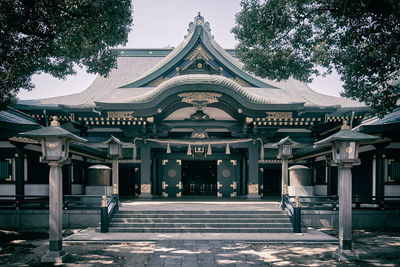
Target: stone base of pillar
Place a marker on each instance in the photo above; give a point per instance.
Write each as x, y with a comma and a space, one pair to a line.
345, 255
146, 196
55, 257
253, 196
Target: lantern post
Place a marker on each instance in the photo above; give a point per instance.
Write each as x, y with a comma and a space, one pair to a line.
285, 152
114, 152
345, 147
55, 149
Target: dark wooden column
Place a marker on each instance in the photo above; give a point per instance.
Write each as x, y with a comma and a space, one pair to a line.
154, 179
243, 184
381, 170
145, 172
19, 169
252, 186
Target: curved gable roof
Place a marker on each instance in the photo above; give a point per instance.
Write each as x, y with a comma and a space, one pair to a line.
199, 34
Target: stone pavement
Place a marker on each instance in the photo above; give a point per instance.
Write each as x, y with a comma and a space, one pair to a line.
311, 236
177, 253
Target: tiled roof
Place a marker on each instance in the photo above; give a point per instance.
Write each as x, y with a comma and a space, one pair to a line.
16, 117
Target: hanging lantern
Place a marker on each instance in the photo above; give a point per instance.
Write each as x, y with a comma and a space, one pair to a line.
227, 151
168, 149
209, 152
189, 151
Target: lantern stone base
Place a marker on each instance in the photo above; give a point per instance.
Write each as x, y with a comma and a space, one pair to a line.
55, 257
345, 255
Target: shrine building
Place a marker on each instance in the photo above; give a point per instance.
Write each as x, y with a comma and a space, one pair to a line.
192, 123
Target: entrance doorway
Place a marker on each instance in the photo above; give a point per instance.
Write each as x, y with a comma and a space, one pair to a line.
272, 180
199, 177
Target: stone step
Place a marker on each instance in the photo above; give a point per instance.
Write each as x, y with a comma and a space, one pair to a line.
202, 225
195, 212
200, 230
176, 216
199, 220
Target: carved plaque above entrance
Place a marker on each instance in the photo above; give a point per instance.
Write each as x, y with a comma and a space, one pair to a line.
200, 100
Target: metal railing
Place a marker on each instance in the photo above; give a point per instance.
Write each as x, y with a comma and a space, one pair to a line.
293, 205
24, 202
293, 210
359, 202
108, 209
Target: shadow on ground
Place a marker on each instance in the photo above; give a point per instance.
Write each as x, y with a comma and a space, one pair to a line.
375, 248
25, 248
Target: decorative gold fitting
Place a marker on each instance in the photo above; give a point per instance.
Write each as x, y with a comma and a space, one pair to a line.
285, 189
104, 202
297, 203
54, 122
115, 189
345, 126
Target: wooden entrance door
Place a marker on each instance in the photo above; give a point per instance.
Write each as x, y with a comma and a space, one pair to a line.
171, 184
227, 182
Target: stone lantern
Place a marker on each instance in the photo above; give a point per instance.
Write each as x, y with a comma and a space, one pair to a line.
345, 144
285, 152
55, 147
114, 152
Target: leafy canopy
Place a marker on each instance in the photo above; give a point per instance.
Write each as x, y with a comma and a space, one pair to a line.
360, 39
52, 36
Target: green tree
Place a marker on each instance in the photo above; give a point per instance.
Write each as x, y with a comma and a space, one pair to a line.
358, 38
51, 36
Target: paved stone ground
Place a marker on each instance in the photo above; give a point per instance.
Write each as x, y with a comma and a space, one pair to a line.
375, 248
177, 253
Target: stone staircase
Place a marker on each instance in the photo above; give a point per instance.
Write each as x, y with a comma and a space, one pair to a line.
201, 221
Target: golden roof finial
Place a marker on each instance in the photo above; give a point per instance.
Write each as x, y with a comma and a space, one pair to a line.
54, 122
345, 126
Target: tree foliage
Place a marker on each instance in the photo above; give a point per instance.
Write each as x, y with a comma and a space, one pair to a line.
360, 39
52, 36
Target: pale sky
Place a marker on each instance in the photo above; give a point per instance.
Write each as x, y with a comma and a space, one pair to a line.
157, 24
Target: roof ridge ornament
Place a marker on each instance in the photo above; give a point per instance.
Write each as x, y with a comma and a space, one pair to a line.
198, 21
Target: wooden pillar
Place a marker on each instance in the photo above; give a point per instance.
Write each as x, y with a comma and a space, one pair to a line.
19, 170
145, 172
154, 176
243, 185
381, 172
252, 185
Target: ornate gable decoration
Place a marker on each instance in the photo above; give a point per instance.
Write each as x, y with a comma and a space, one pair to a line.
199, 53
199, 100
